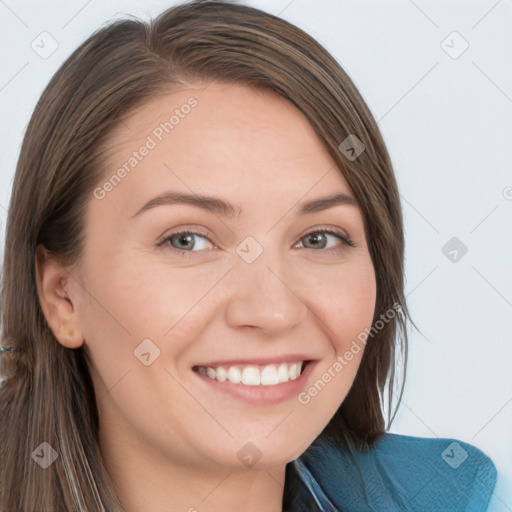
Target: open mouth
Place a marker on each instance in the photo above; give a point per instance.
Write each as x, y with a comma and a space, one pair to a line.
254, 375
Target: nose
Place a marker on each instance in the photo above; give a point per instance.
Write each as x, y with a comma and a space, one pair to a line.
263, 296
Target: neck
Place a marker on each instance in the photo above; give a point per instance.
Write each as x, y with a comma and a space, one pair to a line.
146, 481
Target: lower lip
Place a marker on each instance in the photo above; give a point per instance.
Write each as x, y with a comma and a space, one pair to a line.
265, 395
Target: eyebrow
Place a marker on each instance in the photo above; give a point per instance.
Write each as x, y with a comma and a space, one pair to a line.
225, 208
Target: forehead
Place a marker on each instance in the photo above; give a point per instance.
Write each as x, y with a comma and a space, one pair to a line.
223, 138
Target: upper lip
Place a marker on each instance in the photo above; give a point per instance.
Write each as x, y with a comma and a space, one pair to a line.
257, 361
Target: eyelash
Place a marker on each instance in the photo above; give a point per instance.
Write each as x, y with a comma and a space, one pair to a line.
186, 254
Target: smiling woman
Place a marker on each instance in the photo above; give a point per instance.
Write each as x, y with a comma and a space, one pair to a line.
202, 291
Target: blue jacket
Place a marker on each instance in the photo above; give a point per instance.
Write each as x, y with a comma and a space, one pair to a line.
399, 473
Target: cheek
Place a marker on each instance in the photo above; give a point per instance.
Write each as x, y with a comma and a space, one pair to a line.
130, 300
349, 304
345, 309
348, 308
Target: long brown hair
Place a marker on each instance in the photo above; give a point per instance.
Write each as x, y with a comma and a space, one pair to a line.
50, 397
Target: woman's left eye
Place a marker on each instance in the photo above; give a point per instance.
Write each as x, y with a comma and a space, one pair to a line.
318, 236
184, 242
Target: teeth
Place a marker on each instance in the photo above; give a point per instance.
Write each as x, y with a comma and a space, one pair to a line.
234, 375
268, 375
251, 376
294, 371
282, 373
222, 374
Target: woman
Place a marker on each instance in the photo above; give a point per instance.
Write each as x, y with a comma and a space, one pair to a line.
203, 284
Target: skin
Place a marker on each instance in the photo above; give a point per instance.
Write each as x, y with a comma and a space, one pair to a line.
169, 440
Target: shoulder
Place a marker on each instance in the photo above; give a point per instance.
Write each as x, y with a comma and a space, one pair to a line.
404, 473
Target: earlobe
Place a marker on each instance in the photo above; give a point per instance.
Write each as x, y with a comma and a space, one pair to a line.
55, 292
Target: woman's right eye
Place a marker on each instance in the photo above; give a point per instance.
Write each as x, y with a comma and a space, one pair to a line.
184, 242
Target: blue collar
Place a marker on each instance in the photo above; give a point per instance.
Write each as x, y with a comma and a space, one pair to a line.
398, 473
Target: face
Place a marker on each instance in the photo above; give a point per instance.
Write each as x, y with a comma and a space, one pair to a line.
209, 321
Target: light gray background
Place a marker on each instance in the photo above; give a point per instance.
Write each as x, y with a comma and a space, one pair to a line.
446, 117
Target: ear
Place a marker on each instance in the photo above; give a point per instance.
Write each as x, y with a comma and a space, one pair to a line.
55, 289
